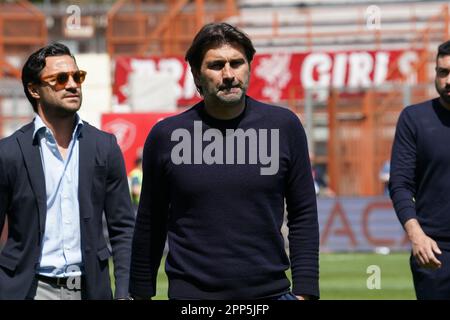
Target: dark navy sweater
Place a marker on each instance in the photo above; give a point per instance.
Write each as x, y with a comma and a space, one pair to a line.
223, 221
420, 169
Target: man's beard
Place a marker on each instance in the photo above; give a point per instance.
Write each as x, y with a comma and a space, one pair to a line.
443, 93
61, 111
231, 99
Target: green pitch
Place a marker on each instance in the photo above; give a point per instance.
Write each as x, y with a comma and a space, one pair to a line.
344, 276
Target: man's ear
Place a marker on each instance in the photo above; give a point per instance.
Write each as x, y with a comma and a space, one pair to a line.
196, 76
197, 82
32, 90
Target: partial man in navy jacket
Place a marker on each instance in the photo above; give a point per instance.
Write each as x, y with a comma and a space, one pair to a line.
420, 182
58, 175
215, 182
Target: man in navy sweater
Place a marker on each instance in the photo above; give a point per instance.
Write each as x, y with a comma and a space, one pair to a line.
419, 181
216, 179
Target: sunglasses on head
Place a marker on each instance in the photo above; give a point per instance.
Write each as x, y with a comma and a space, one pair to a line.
59, 80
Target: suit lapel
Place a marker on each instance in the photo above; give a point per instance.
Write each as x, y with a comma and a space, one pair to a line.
86, 170
33, 163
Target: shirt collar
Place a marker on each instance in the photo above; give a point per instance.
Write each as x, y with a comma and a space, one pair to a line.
39, 125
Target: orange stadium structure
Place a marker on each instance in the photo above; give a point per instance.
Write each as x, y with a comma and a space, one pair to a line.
22, 29
328, 43
167, 29
360, 126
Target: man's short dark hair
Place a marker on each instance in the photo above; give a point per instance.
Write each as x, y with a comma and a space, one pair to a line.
443, 49
36, 62
213, 35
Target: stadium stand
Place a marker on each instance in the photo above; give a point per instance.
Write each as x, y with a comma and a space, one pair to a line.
339, 25
22, 29
344, 124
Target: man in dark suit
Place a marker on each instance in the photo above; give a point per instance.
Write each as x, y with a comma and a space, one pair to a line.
58, 175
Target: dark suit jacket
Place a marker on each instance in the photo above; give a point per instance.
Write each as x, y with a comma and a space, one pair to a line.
103, 187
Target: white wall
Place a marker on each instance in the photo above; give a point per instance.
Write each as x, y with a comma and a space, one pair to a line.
97, 93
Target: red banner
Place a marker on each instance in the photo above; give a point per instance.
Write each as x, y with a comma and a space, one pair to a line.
282, 76
131, 130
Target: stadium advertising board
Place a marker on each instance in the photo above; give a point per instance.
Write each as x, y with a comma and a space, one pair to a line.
282, 76
360, 224
131, 130
352, 224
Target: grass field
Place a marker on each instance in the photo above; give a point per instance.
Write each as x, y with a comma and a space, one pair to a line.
344, 276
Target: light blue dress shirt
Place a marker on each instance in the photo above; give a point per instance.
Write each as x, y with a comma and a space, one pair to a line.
61, 245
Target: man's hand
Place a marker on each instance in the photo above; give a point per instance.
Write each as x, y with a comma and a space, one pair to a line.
303, 297
423, 247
